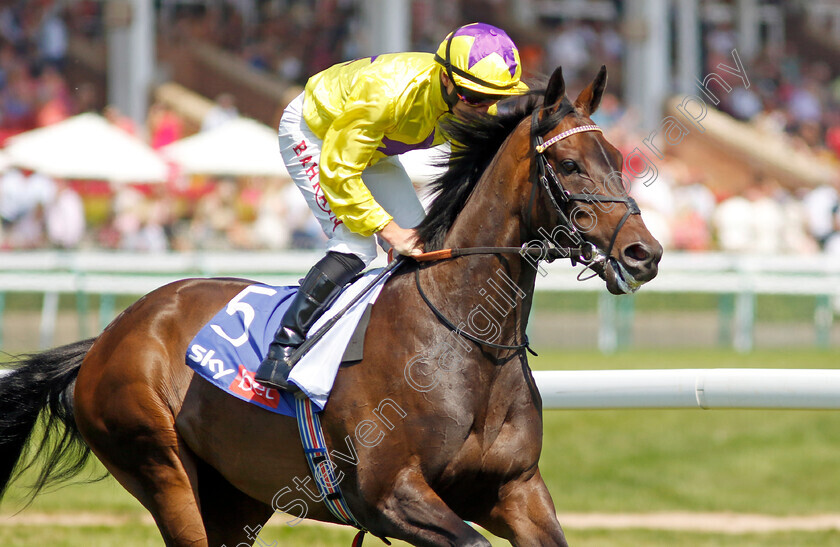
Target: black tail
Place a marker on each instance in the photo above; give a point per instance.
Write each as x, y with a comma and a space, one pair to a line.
41, 384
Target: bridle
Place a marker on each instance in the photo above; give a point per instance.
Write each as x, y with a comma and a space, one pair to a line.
586, 253
544, 173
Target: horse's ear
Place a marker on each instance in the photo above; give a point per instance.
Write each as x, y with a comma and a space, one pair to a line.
555, 90
589, 99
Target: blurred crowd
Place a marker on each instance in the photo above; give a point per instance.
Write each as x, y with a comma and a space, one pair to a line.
33, 52
790, 98
38, 211
291, 39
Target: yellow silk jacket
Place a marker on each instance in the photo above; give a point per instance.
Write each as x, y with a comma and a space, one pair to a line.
366, 110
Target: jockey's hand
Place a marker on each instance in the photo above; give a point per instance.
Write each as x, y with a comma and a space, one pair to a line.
402, 240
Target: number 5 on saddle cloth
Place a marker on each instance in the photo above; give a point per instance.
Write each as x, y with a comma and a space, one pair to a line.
229, 348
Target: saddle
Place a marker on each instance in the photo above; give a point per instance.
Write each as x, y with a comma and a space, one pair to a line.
228, 349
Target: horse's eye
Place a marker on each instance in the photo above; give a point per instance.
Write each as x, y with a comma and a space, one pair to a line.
569, 167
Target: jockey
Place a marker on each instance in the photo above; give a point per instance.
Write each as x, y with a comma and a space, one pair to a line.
340, 138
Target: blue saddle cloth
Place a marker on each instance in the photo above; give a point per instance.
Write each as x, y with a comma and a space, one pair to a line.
228, 349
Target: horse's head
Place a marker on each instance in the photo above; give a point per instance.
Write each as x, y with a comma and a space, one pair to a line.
584, 203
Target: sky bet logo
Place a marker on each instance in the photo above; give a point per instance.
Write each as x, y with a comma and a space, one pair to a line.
205, 358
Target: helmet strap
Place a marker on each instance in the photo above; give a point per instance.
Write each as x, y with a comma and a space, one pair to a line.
450, 98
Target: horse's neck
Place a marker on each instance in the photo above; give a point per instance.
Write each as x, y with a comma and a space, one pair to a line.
500, 285
492, 215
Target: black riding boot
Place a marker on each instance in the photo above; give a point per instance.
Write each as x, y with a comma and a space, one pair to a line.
318, 290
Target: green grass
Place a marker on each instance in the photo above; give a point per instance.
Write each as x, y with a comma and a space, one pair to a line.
105, 496
773, 462
685, 358
656, 538
771, 308
83, 536
781, 462
778, 462
317, 536
25, 301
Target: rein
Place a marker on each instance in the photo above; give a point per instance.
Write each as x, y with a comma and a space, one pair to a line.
549, 255
446, 254
451, 326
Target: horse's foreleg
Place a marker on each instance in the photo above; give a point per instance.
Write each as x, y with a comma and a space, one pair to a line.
414, 513
525, 514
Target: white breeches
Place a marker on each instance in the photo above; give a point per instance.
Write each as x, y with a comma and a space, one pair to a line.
387, 181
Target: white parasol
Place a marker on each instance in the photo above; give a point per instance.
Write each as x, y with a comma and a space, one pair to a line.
239, 147
86, 147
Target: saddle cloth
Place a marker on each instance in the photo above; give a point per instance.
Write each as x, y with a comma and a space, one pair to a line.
229, 348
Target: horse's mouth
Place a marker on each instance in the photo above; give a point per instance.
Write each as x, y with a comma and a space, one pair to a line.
618, 279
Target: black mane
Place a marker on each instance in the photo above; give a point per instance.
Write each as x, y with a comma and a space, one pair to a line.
478, 140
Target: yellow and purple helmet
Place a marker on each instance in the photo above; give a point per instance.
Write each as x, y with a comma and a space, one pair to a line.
482, 58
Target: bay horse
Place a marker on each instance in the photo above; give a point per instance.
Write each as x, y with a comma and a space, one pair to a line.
432, 428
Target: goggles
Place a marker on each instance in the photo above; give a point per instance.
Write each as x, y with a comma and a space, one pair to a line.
473, 99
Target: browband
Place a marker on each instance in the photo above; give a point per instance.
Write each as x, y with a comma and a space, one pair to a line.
540, 148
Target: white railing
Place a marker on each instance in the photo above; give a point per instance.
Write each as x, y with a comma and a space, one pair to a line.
800, 389
109, 274
690, 388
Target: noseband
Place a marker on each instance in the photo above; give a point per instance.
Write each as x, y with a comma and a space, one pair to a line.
590, 254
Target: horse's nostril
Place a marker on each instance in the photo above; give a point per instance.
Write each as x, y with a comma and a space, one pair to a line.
637, 252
